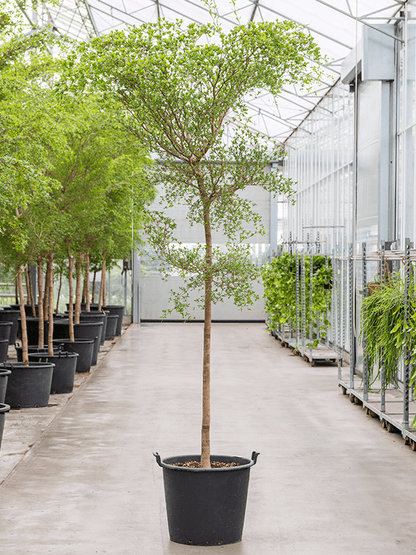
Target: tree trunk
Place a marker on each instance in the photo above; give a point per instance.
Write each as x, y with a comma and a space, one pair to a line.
16, 292
59, 293
50, 315
27, 286
101, 298
25, 352
41, 340
31, 296
78, 268
71, 296
46, 292
206, 386
93, 287
87, 282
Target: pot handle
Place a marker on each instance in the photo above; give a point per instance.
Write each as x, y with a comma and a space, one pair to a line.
159, 462
254, 456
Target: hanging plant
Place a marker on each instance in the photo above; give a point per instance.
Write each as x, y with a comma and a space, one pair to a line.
383, 325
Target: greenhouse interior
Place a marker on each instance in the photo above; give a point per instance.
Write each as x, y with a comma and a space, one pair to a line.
207, 245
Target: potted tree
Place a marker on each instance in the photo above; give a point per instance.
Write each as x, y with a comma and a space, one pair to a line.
184, 88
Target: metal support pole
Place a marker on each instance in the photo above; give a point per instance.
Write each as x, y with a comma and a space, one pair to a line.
310, 298
327, 301
365, 363
303, 297
383, 368
297, 297
407, 353
338, 263
351, 315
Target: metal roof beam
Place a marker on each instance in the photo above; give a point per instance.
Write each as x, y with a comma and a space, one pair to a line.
253, 13
306, 26
360, 20
91, 17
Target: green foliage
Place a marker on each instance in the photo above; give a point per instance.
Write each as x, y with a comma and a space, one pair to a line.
183, 87
383, 325
279, 279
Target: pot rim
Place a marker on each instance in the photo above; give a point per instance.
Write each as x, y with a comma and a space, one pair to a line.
249, 464
4, 407
18, 365
58, 354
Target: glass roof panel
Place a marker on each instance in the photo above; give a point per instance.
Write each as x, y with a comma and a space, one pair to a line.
336, 26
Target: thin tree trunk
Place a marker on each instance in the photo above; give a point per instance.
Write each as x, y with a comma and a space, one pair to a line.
41, 340
78, 268
59, 293
206, 379
93, 287
101, 298
16, 292
71, 296
32, 296
46, 292
25, 352
50, 315
87, 282
27, 286
84, 293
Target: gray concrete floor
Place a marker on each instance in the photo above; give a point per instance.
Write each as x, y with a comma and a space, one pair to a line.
329, 480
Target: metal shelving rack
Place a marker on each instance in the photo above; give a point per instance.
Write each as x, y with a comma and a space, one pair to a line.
382, 400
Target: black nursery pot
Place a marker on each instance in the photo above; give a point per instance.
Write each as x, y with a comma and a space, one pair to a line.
112, 320
64, 371
28, 386
90, 330
4, 346
33, 349
206, 506
84, 347
5, 330
119, 310
96, 316
13, 316
3, 409
4, 376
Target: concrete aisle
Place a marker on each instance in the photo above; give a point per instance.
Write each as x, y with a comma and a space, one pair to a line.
329, 480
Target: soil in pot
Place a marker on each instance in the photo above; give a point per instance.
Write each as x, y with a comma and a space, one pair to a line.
64, 371
4, 376
28, 386
5, 330
84, 347
206, 506
112, 320
3, 409
11, 316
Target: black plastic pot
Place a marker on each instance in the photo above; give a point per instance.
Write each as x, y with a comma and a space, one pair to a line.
112, 320
28, 386
90, 330
60, 328
32, 326
119, 310
64, 372
5, 330
96, 316
4, 346
3, 409
33, 349
4, 376
11, 316
206, 506
84, 347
